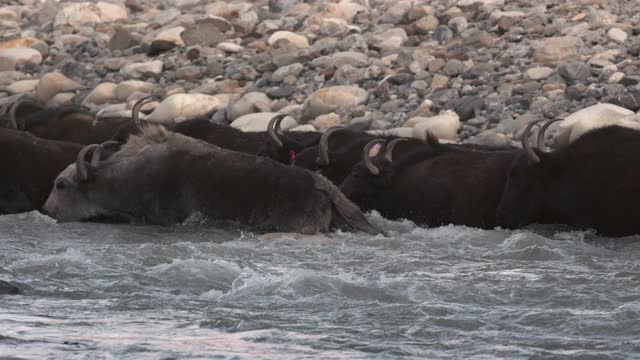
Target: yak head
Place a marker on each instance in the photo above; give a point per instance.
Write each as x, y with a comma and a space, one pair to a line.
523, 195
73, 197
285, 147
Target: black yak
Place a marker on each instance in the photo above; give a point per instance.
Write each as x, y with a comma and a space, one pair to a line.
591, 183
29, 166
163, 177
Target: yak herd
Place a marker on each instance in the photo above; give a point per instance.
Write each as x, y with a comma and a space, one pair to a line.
74, 167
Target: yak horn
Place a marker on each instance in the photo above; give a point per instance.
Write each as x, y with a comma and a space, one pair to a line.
323, 148
95, 158
542, 131
81, 166
273, 127
526, 145
135, 111
367, 159
390, 146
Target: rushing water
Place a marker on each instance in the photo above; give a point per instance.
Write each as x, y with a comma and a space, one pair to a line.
97, 291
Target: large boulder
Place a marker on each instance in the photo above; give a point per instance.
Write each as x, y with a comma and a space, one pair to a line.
79, 14
180, 107
329, 99
592, 117
53, 83
260, 121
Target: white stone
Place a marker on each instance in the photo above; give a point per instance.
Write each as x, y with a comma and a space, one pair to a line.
53, 83
136, 70
328, 99
252, 102
126, 88
22, 56
79, 14
229, 47
180, 107
615, 77
538, 73
305, 127
260, 122
298, 41
617, 35
60, 99
589, 118
326, 121
101, 94
399, 131
444, 125
22, 86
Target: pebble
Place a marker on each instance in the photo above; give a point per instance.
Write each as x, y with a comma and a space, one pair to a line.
298, 41
617, 35
137, 70
538, 73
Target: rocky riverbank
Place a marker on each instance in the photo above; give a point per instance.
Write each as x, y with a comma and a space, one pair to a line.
473, 71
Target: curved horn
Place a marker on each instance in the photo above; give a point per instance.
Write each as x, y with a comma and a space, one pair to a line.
135, 111
541, 132
81, 167
273, 132
95, 158
390, 146
278, 125
323, 147
12, 115
526, 145
367, 160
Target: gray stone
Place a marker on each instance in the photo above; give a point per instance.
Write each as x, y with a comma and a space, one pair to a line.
453, 68
574, 71
204, 33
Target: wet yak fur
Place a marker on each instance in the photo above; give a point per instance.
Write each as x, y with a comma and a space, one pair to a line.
29, 165
163, 177
433, 185
592, 183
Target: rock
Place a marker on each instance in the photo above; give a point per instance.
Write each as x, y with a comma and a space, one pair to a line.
61, 99
305, 127
172, 36
574, 71
444, 126
101, 94
558, 49
426, 24
468, 107
616, 77
391, 39
53, 83
137, 70
592, 117
21, 56
352, 58
22, 86
480, 39
329, 99
453, 68
229, 47
438, 81
458, 24
288, 70
126, 88
204, 33
617, 35
18, 43
252, 102
89, 13
281, 91
326, 121
121, 40
538, 73
489, 138
180, 107
260, 121
189, 72
296, 40
443, 34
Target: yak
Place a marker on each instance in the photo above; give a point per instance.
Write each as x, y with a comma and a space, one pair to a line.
432, 185
162, 177
591, 183
29, 166
67, 123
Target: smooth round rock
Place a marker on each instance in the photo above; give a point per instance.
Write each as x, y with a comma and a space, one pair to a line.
22, 86
260, 122
101, 94
328, 99
21, 56
298, 41
53, 83
180, 107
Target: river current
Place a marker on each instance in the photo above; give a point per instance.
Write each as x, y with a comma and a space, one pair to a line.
100, 291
